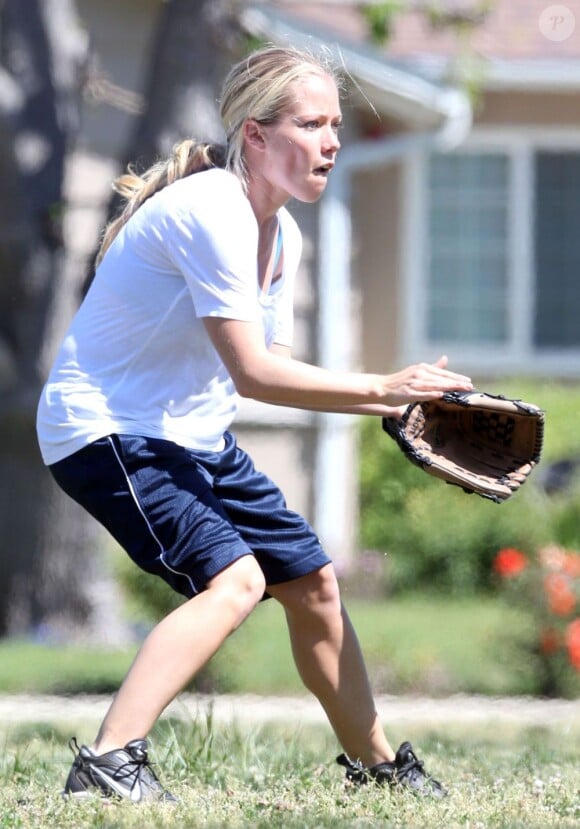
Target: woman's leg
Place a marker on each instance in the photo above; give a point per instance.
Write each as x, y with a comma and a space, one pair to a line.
176, 649
330, 663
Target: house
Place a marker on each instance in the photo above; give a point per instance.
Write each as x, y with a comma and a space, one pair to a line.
484, 262
445, 228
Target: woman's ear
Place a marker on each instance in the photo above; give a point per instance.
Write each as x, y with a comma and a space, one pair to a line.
253, 134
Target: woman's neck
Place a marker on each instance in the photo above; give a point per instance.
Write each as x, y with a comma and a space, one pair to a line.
265, 204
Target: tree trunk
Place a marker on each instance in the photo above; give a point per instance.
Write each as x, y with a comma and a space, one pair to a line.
46, 544
190, 54
188, 63
51, 560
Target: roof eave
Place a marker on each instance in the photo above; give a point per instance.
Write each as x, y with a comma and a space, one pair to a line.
495, 74
532, 75
391, 90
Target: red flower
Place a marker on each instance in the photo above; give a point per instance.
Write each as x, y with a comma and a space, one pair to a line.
561, 599
549, 641
510, 562
572, 565
552, 557
573, 643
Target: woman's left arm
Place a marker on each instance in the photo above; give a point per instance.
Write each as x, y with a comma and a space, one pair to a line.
362, 409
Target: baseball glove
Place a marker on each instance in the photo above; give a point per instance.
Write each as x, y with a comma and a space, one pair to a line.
483, 443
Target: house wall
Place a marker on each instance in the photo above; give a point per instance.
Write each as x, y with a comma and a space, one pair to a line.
539, 109
286, 456
377, 264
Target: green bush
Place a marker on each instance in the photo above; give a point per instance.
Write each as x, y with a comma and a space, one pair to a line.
148, 596
435, 535
545, 586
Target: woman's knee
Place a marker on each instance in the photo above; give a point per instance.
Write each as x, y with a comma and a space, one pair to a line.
241, 586
324, 587
317, 592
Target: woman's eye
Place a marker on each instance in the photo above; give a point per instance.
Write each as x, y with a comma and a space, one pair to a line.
316, 124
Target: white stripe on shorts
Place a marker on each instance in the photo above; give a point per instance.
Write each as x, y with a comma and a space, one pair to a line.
149, 527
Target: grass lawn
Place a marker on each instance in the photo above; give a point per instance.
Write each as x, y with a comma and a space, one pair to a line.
412, 643
283, 777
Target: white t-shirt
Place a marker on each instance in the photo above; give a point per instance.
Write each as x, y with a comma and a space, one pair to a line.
137, 358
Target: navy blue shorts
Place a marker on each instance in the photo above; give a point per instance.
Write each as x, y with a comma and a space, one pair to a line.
186, 515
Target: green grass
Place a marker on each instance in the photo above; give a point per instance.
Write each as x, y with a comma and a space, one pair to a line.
282, 777
560, 400
26, 667
415, 643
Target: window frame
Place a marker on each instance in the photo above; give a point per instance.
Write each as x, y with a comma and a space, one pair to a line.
518, 354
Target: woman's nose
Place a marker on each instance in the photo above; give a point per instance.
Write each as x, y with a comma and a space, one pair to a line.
330, 140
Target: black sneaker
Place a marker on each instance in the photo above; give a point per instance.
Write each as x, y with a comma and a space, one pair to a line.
407, 770
123, 773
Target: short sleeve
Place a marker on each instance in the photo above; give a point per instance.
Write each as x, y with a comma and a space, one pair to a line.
211, 238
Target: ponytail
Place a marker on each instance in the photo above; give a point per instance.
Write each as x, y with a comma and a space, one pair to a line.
259, 87
187, 157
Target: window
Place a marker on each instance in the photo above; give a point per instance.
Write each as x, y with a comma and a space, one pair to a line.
557, 250
468, 246
498, 274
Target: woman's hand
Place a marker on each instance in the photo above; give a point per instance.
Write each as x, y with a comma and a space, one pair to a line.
424, 381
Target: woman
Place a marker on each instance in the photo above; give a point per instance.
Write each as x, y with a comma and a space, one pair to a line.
190, 308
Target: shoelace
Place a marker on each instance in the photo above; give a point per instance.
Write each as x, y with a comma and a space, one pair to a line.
410, 767
411, 770
134, 768
74, 746
355, 771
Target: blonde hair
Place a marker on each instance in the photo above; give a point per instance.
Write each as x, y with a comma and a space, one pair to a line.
257, 87
187, 157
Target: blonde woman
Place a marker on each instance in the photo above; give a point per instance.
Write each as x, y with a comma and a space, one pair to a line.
191, 308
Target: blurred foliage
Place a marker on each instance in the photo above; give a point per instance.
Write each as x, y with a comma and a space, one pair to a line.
546, 587
149, 599
459, 21
420, 644
380, 19
436, 536
148, 596
44, 667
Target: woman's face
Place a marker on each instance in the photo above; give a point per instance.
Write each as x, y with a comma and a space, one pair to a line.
299, 149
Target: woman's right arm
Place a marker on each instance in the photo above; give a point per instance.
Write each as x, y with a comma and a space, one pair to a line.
272, 378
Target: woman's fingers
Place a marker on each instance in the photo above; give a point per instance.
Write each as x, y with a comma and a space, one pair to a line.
426, 381
442, 361
435, 375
